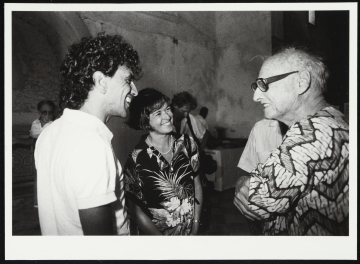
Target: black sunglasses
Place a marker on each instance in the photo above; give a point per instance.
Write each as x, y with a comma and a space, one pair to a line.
263, 83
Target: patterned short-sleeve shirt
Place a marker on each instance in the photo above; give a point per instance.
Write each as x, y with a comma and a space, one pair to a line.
303, 187
164, 191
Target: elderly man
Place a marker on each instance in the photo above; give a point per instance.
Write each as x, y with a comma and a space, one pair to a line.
303, 186
80, 181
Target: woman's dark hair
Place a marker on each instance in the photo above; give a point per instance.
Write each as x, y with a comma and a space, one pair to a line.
105, 53
184, 98
146, 102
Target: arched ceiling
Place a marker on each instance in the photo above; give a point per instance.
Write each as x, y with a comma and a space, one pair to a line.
60, 28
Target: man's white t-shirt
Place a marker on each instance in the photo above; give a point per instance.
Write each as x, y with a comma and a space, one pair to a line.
76, 169
264, 138
198, 127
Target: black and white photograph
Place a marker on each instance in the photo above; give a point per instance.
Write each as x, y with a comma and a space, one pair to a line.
228, 122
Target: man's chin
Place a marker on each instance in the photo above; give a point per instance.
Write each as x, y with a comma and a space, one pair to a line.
268, 115
122, 114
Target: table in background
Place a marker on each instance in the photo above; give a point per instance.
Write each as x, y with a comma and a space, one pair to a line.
227, 173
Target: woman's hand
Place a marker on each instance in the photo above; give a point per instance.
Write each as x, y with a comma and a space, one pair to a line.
198, 205
195, 228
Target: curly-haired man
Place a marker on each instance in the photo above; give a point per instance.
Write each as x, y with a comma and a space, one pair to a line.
80, 184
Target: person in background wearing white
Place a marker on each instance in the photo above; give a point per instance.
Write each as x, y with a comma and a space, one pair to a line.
46, 109
182, 104
201, 117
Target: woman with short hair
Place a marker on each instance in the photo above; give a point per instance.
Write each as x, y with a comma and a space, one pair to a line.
163, 188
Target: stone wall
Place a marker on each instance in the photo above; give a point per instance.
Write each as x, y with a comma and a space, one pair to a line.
241, 42
213, 55
35, 72
177, 55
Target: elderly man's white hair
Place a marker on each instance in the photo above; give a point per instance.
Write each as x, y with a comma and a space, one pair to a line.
302, 59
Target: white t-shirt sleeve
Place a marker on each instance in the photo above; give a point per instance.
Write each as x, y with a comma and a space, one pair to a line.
35, 129
248, 160
92, 183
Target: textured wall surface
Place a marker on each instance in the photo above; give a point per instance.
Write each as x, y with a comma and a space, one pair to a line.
35, 72
176, 55
40, 42
241, 43
209, 54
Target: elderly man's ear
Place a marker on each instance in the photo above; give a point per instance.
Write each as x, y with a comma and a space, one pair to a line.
99, 82
304, 81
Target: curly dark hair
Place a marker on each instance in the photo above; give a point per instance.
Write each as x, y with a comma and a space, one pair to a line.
105, 53
184, 98
146, 102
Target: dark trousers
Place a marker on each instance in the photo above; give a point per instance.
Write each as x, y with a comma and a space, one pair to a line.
255, 227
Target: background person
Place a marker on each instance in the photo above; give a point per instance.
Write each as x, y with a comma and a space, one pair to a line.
201, 117
46, 109
80, 181
163, 187
303, 187
203, 112
182, 104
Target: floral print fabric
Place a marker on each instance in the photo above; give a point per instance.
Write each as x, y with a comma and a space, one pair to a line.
165, 192
303, 187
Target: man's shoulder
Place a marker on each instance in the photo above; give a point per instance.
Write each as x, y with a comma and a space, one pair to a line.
328, 117
261, 127
69, 134
332, 117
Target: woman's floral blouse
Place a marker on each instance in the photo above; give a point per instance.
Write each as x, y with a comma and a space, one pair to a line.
165, 192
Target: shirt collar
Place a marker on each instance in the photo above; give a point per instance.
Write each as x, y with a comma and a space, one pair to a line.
85, 119
273, 123
143, 145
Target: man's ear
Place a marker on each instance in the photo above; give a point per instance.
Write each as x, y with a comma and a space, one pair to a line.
304, 81
99, 82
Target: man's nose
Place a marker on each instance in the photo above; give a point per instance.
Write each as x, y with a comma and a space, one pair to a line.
134, 91
257, 95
